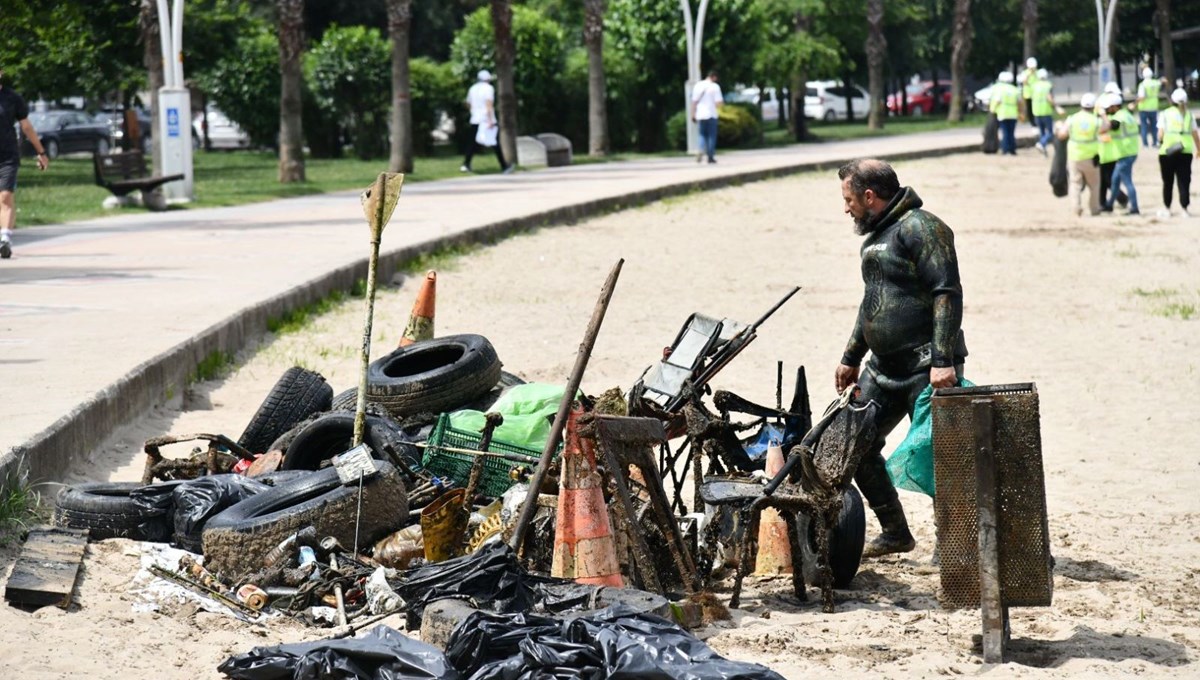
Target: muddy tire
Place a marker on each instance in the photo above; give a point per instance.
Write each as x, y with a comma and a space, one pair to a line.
433, 376
107, 511
845, 542
331, 434
237, 539
298, 394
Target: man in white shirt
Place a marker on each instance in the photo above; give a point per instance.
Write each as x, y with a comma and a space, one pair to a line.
706, 101
481, 100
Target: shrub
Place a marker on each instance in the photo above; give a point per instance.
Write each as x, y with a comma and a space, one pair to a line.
736, 127
435, 90
245, 85
350, 77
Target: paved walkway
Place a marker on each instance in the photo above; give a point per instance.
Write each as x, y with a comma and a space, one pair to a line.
100, 319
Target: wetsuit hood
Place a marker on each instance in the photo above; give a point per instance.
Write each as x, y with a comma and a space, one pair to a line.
904, 201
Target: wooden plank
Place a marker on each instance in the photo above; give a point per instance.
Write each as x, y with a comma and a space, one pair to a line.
995, 614
46, 569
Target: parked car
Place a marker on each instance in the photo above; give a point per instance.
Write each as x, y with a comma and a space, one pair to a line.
826, 100
115, 120
67, 132
921, 97
771, 101
222, 132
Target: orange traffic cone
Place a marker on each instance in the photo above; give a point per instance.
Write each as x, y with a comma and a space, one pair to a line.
420, 322
774, 550
583, 540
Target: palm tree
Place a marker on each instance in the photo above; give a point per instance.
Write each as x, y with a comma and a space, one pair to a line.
1029, 17
1168, 51
960, 49
801, 23
291, 49
399, 22
593, 37
506, 93
876, 49
152, 60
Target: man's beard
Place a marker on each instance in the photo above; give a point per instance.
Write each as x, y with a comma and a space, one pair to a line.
866, 224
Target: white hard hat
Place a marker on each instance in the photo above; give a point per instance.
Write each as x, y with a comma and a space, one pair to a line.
1006, 76
1112, 88
1110, 100
1088, 100
1043, 74
1147, 73
1031, 63
484, 75
1179, 96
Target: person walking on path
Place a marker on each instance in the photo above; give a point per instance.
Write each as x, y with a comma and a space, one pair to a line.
1124, 133
910, 320
706, 102
1147, 106
1005, 103
1178, 141
1029, 86
1107, 104
481, 100
1082, 132
1043, 108
13, 112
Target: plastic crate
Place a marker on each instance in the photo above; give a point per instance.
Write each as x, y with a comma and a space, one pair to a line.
457, 466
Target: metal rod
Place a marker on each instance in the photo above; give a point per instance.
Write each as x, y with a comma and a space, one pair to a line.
337, 592
560, 419
991, 599
490, 423
360, 407
358, 517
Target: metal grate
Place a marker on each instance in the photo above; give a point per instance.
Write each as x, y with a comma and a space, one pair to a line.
1026, 578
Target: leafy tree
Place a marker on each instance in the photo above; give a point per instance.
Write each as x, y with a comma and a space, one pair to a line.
436, 91
344, 72
244, 84
791, 50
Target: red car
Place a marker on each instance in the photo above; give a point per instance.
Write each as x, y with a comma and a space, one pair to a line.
920, 98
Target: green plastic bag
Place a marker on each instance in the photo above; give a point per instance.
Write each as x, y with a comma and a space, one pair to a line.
527, 410
911, 465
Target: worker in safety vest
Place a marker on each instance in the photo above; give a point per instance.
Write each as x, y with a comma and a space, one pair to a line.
1028, 86
1082, 132
1043, 108
1178, 141
1005, 103
1122, 147
1108, 156
1147, 106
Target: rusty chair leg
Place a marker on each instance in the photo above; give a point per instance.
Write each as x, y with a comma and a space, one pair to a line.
748, 519
794, 538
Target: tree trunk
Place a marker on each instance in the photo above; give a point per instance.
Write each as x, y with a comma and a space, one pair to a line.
1168, 49
785, 106
960, 49
801, 23
291, 49
1029, 18
152, 59
400, 158
506, 92
593, 37
876, 50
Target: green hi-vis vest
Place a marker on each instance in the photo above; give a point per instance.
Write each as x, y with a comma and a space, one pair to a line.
1083, 142
1029, 87
1151, 87
1004, 101
1125, 137
1177, 127
1041, 98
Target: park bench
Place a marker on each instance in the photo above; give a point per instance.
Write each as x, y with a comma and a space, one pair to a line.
124, 172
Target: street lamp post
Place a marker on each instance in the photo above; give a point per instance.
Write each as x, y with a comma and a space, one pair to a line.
174, 106
694, 35
1105, 23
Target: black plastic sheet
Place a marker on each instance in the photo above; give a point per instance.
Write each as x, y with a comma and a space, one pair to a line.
201, 499
616, 643
380, 654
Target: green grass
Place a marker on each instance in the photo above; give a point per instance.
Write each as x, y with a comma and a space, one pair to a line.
297, 319
439, 259
1182, 310
212, 366
18, 506
842, 130
1155, 292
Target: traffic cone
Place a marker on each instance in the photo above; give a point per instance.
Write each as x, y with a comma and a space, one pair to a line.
583, 539
774, 549
420, 322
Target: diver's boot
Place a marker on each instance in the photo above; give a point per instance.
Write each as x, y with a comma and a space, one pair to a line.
896, 538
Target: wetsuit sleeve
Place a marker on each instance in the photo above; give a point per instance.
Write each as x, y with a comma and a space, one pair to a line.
931, 244
856, 349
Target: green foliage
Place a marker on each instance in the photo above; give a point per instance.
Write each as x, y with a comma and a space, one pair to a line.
540, 55
619, 73
435, 89
737, 127
298, 319
19, 505
244, 84
212, 366
349, 75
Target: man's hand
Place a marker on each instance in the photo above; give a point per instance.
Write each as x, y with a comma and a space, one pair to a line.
43, 161
943, 376
844, 377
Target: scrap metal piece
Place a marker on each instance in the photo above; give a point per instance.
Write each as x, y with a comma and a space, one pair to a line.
220, 457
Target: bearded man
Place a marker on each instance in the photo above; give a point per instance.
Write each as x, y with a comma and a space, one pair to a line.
909, 319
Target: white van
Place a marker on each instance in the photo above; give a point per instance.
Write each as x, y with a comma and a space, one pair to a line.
826, 100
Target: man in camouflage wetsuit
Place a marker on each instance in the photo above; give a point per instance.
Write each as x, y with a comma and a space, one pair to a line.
909, 319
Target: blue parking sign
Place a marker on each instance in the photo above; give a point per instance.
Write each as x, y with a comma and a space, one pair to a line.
172, 122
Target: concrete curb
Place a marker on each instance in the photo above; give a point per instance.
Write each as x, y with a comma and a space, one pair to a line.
48, 454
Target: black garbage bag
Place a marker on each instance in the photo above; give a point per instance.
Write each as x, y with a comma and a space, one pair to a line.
381, 654
1060, 177
991, 134
615, 643
199, 500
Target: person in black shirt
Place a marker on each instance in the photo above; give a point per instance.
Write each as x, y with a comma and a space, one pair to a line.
12, 111
910, 320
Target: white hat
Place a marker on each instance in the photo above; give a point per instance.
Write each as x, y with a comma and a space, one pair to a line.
1110, 100
1031, 63
1179, 96
1088, 100
1006, 76
484, 75
1043, 74
1112, 88
1147, 73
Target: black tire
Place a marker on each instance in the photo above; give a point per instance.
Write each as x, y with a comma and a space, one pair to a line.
193, 542
331, 434
348, 401
236, 540
845, 542
50, 146
102, 146
298, 394
434, 376
106, 511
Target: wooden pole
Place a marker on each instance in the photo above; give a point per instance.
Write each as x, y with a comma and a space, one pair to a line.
991, 600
